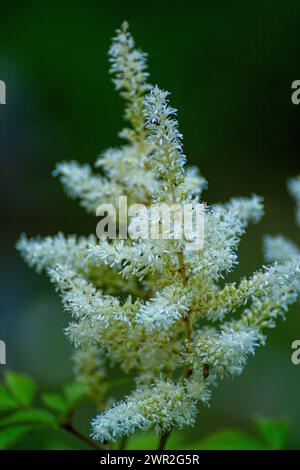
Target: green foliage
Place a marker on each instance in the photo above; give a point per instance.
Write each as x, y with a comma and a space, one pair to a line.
228, 439
19, 415
149, 441
34, 415
74, 394
55, 402
7, 402
10, 435
22, 387
272, 434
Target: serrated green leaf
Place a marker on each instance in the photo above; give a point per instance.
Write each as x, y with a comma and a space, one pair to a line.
11, 435
22, 387
74, 393
231, 439
273, 432
34, 415
7, 402
55, 402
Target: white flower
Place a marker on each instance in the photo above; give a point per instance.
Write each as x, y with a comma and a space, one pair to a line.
227, 351
193, 183
138, 258
129, 67
42, 253
166, 158
163, 406
222, 233
120, 420
80, 183
294, 189
127, 166
279, 249
248, 210
169, 305
146, 305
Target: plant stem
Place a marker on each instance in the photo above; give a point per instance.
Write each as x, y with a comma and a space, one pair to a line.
187, 325
163, 440
70, 428
186, 320
123, 443
182, 267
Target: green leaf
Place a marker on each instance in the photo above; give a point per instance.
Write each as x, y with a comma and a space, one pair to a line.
7, 402
55, 402
231, 439
150, 440
141, 441
34, 415
274, 433
74, 393
22, 387
11, 435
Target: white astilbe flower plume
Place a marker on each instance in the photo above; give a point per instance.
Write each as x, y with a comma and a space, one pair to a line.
294, 189
154, 308
169, 305
280, 248
41, 253
226, 351
248, 210
164, 406
129, 67
80, 183
138, 258
166, 157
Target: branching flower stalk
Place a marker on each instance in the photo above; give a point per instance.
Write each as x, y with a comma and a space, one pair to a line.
153, 307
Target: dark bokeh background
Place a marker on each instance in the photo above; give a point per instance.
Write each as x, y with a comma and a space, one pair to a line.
229, 66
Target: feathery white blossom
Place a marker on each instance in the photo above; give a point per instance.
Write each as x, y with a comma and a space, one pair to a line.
280, 249
294, 189
126, 165
90, 189
272, 292
169, 305
166, 157
193, 183
147, 305
226, 351
248, 210
137, 259
90, 370
163, 406
129, 67
223, 229
42, 253
222, 233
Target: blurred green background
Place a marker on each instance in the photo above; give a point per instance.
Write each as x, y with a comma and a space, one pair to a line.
229, 66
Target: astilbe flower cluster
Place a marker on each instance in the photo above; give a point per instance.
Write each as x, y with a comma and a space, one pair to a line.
280, 248
154, 308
